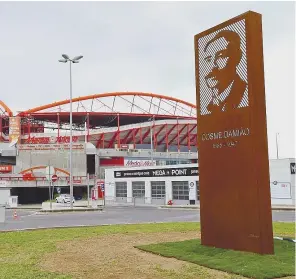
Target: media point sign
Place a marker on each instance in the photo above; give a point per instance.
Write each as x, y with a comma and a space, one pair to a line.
232, 136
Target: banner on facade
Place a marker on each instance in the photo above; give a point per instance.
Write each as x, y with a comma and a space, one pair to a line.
51, 140
50, 147
192, 171
14, 129
139, 163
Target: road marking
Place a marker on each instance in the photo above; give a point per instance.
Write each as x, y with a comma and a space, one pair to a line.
31, 214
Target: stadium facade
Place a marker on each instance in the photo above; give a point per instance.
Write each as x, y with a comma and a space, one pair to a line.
110, 130
141, 146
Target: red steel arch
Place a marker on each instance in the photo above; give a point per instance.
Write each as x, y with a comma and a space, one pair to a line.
102, 95
171, 121
5, 113
5, 109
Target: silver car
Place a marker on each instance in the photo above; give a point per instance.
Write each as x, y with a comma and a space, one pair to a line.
64, 198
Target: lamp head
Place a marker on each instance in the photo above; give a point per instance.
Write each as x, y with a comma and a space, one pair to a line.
65, 56
76, 58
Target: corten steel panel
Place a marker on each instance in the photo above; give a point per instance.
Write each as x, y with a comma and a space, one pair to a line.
234, 171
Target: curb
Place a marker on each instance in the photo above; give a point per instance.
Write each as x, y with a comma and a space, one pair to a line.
285, 238
177, 207
70, 210
24, 208
81, 226
198, 208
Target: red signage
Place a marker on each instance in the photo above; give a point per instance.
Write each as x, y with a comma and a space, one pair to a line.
49, 140
54, 178
28, 177
139, 163
75, 181
5, 168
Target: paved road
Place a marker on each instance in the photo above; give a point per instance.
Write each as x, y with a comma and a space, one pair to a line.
111, 215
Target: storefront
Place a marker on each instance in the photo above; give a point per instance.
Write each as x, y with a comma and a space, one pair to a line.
153, 185
180, 184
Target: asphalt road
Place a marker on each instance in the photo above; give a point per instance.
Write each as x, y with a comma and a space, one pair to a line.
30, 219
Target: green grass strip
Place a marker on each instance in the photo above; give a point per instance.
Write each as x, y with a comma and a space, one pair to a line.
20, 251
251, 265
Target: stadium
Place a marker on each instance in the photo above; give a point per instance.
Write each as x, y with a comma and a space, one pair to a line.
109, 130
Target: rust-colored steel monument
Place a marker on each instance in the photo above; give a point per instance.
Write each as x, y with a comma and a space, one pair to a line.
232, 136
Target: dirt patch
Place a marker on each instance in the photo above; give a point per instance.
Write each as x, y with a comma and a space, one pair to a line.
114, 257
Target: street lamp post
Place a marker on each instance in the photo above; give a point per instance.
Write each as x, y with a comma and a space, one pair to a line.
66, 59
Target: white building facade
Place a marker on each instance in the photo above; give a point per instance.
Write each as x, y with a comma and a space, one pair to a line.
179, 184
282, 181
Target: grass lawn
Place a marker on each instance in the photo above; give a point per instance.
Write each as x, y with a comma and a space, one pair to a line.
246, 264
21, 252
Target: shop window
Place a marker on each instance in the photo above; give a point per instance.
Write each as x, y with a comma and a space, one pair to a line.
180, 190
138, 189
158, 189
121, 189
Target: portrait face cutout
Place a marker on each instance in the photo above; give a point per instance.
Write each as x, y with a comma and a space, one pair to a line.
217, 58
223, 70
223, 54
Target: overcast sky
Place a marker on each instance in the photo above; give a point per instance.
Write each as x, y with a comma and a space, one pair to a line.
136, 46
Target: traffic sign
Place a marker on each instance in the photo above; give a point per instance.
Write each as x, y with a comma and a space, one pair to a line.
54, 178
58, 190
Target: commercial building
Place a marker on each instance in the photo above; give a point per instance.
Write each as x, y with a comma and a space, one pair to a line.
180, 184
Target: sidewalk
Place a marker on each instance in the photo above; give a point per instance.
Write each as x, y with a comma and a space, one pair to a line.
65, 207
197, 206
68, 209
28, 206
80, 205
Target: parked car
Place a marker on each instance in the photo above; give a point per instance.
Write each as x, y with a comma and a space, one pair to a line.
78, 198
64, 198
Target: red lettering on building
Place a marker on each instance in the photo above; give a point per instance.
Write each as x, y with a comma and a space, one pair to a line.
131, 163
50, 140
